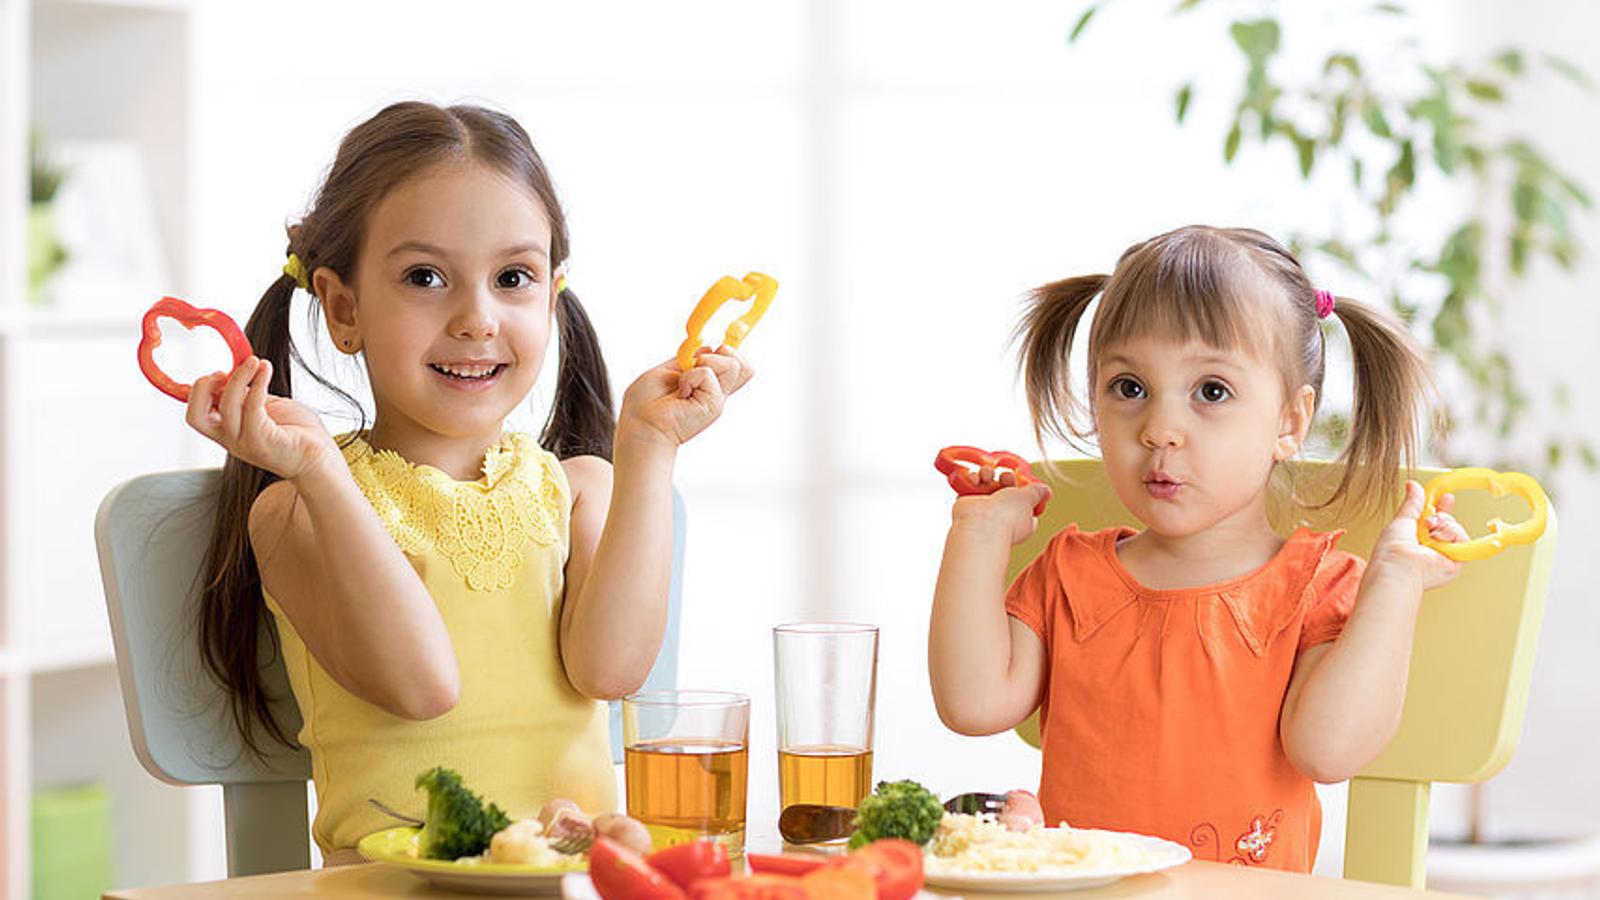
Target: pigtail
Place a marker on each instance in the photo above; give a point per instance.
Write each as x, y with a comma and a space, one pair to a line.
1393, 388
1047, 331
231, 615
581, 419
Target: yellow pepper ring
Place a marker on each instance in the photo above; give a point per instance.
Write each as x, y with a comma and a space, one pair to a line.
1501, 534
761, 288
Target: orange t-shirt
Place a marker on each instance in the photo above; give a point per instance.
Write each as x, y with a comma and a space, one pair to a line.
1160, 708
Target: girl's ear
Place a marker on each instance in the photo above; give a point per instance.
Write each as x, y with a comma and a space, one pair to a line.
1296, 422
338, 309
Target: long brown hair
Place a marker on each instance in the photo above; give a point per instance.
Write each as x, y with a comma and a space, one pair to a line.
1231, 288
377, 156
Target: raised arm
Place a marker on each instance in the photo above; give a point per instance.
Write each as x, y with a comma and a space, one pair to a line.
615, 612
324, 556
986, 668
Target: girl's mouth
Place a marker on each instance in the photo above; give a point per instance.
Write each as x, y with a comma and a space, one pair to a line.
1162, 488
468, 373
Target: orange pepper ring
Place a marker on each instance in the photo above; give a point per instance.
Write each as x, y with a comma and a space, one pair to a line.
761, 288
1501, 534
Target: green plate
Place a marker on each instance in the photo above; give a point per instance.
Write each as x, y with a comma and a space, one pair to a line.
398, 847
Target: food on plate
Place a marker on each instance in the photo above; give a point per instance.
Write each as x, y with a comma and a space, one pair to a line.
975, 844
625, 830
524, 842
897, 809
458, 823
1022, 811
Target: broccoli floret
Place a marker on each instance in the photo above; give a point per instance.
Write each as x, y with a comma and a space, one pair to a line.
897, 809
458, 823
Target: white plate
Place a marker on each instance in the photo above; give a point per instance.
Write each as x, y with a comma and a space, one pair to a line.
397, 847
1163, 854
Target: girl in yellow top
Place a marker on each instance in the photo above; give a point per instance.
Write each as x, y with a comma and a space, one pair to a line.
444, 592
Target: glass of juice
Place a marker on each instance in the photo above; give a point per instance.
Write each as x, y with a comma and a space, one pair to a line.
687, 762
827, 683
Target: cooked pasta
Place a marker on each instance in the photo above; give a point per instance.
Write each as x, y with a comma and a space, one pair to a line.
968, 844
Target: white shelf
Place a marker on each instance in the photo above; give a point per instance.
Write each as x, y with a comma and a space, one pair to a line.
84, 71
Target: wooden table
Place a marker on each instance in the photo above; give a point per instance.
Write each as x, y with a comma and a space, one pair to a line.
1191, 880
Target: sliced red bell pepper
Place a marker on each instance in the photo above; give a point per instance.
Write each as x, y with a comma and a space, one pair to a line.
954, 463
189, 317
621, 874
785, 863
688, 863
894, 864
749, 887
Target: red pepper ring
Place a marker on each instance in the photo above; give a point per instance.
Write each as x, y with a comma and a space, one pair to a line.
189, 317
954, 461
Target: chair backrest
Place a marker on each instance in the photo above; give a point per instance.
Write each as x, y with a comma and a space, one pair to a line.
152, 533
1471, 662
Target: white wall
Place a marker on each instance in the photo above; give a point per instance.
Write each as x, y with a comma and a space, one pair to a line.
907, 170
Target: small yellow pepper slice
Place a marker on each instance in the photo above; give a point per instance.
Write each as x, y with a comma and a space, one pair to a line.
1501, 534
755, 286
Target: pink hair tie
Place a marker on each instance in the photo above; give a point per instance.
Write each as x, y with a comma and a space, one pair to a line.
1324, 303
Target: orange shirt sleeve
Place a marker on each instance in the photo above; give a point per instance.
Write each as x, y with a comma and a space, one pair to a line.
1333, 592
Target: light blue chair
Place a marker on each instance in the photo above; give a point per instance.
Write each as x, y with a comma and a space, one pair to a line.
152, 533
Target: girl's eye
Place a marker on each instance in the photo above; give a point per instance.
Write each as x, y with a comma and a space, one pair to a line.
1126, 388
1213, 392
514, 279
424, 277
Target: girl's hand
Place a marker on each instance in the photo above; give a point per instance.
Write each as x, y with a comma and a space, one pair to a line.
1398, 551
671, 405
272, 433
1009, 509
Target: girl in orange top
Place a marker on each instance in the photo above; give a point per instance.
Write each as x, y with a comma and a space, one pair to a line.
1193, 679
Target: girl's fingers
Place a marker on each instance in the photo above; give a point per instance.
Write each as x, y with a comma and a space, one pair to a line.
733, 370
1445, 503
232, 403
202, 398
1411, 506
253, 413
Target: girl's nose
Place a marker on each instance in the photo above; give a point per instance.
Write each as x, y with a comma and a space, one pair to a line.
474, 318
1161, 431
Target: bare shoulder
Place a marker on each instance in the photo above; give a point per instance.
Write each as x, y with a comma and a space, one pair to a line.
587, 475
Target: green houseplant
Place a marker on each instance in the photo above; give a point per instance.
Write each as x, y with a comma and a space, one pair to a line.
45, 253
1386, 135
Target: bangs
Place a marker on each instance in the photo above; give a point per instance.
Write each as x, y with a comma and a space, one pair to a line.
1185, 286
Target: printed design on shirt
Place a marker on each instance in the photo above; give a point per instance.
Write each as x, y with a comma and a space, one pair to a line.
1250, 848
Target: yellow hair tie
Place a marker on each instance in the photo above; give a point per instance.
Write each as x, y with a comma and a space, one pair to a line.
561, 284
296, 269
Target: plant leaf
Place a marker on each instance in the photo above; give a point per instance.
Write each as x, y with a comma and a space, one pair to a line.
1258, 38
1485, 90
1570, 71
1185, 93
1511, 61
1082, 23
1230, 147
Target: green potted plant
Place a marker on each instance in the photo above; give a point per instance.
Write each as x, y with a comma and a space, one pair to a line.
45, 253
1385, 135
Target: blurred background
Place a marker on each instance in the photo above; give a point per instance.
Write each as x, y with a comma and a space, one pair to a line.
907, 170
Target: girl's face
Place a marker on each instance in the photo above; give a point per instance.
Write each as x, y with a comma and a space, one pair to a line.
451, 302
1189, 432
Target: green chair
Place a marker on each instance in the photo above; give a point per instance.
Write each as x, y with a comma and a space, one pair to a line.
152, 532
1471, 662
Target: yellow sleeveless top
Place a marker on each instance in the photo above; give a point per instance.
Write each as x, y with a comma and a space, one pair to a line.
492, 553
